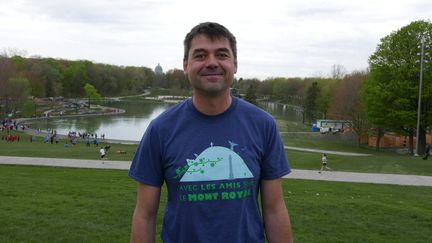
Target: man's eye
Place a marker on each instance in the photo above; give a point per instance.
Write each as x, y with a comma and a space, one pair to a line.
199, 56
223, 55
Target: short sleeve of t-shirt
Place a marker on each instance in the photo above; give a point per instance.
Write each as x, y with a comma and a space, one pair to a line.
150, 172
274, 163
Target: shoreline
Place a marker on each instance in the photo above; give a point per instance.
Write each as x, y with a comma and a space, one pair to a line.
35, 132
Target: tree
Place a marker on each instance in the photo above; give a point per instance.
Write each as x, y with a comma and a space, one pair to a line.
311, 104
323, 102
92, 94
14, 93
251, 95
75, 76
7, 70
176, 79
45, 80
338, 71
347, 103
390, 94
11, 52
280, 88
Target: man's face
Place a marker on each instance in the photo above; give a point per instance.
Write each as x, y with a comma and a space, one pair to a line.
210, 65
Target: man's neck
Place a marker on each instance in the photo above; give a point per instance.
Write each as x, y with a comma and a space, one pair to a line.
212, 105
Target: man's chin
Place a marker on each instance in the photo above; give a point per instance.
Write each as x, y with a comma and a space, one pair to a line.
213, 79
212, 91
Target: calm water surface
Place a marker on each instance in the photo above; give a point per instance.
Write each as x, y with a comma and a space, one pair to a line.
132, 124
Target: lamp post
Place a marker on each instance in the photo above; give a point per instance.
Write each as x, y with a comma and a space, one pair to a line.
420, 95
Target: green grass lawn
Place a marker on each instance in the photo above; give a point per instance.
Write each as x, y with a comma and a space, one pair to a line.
46, 204
316, 140
383, 162
48, 150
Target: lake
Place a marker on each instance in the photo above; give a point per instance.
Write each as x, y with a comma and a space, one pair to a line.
132, 124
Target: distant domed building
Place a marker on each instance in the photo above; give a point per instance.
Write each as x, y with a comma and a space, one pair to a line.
158, 70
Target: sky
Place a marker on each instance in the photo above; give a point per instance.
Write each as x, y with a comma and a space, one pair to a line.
275, 38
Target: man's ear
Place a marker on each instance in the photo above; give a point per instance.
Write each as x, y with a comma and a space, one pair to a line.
185, 65
235, 65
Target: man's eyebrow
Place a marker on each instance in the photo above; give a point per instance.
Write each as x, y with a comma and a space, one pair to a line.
223, 49
199, 50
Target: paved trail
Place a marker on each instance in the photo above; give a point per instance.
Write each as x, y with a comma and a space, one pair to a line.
410, 180
325, 151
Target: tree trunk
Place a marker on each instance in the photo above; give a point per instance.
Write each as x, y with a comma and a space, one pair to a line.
411, 142
380, 133
303, 117
421, 141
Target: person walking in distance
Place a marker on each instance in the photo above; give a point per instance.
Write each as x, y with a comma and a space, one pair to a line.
216, 153
427, 151
324, 161
102, 152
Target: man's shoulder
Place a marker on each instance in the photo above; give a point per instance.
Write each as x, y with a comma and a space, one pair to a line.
172, 112
253, 110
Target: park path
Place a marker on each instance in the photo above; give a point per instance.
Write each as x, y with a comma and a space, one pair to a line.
325, 151
394, 179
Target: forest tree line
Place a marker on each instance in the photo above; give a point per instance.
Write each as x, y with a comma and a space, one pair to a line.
48, 77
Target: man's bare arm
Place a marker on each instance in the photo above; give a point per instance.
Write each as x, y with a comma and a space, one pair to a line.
276, 219
145, 214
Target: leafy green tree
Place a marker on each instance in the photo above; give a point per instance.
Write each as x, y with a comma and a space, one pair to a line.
14, 93
251, 95
176, 79
92, 94
280, 89
75, 76
323, 102
45, 79
7, 70
311, 102
264, 89
390, 94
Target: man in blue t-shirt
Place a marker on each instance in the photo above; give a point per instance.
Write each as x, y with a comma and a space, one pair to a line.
216, 153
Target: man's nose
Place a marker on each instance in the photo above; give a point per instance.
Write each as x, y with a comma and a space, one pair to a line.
212, 61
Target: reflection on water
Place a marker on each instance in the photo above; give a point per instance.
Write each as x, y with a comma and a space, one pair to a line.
283, 111
132, 124
128, 126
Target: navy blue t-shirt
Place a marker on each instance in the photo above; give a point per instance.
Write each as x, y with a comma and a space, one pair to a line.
212, 166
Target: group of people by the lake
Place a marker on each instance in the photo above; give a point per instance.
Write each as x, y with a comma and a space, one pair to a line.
72, 137
87, 137
8, 125
51, 136
11, 138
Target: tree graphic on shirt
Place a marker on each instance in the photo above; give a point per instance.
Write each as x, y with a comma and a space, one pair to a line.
195, 166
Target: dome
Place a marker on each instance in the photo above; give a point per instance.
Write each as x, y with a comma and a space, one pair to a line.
158, 69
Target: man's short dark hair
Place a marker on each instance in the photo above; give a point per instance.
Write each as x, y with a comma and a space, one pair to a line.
213, 31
